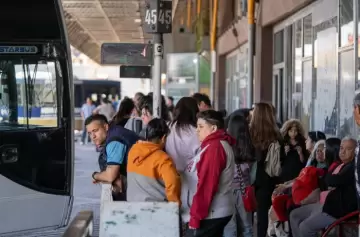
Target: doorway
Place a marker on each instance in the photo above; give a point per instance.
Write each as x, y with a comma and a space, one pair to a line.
279, 93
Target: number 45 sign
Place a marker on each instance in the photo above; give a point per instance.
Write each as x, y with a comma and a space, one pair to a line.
158, 17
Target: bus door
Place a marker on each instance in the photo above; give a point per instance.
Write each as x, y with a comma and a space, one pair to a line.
36, 159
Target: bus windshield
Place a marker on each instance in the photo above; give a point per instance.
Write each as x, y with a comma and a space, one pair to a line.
28, 93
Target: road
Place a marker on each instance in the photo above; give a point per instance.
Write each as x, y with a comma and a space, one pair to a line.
86, 194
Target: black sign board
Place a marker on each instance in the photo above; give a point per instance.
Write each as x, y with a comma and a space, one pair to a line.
135, 72
158, 17
126, 54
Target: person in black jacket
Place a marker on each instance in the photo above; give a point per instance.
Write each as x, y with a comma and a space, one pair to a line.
338, 200
263, 132
296, 154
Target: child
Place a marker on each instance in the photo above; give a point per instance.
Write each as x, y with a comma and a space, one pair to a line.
295, 150
151, 173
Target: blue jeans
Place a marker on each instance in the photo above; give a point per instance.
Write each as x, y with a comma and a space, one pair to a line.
241, 219
84, 136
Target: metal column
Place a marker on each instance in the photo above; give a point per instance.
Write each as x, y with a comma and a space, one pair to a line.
213, 50
212, 78
251, 40
158, 53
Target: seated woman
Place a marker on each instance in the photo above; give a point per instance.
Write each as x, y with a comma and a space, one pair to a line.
283, 202
311, 140
151, 173
207, 187
316, 159
339, 198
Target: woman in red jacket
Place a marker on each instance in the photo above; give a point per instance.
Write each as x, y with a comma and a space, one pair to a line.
206, 189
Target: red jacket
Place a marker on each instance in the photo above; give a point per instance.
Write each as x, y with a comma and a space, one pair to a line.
215, 174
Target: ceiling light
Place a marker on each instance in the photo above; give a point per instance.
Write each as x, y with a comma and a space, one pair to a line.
137, 20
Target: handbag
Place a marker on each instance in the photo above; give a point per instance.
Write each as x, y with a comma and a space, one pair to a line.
247, 193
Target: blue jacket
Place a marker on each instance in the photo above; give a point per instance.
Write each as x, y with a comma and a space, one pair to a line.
120, 134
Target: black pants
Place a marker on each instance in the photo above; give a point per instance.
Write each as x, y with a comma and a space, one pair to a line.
119, 196
263, 201
209, 228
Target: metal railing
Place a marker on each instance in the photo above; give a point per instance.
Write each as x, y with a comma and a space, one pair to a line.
81, 226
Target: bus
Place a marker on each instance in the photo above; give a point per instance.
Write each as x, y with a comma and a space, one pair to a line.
44, 108
36, 161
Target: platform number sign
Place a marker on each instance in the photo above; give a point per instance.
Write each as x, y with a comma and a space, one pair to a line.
158, 17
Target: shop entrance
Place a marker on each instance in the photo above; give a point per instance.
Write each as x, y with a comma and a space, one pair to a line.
278, 93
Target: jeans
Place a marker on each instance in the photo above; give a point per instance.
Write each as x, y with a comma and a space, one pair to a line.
85, 135
308, 220
241, 219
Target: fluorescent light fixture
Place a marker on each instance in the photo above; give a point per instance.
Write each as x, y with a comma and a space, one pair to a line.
137, 20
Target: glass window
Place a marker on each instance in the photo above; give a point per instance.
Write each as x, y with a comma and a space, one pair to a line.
347, 91
325, 65
308, 47
346, 23
28, 92
297, 83
307, 94
279, 47
181, 66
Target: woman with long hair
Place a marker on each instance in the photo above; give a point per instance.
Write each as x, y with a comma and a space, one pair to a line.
146, 107
126, 108
263, 131
182, 142
244, 157
296, 154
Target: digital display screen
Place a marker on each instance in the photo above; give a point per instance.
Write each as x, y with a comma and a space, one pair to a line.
127, 54
135, 72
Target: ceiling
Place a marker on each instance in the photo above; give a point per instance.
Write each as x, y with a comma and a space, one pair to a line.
93, 22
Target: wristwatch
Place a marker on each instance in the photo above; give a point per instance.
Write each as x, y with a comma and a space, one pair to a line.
93, 175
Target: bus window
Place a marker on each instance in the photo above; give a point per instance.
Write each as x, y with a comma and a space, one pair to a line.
35, 94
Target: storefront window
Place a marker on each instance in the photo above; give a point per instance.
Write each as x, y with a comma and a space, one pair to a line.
325, 65
297, 84
347, 91
346, 23
307, 95
237, 71
279, 47
308, 43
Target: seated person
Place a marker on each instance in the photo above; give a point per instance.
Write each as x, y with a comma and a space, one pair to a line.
338, 200
283, 202
151, 173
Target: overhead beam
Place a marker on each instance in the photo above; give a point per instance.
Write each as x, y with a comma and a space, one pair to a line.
85, 30
141, 29
108, 22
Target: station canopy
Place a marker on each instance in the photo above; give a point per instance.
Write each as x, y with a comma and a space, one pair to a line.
93, 22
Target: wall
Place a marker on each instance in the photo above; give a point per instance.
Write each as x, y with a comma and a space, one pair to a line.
269, 13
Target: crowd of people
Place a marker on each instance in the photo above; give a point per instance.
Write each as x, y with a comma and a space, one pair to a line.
222, 170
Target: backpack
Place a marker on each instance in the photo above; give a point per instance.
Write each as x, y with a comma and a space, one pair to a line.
120, 134
135, 125
272, 161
